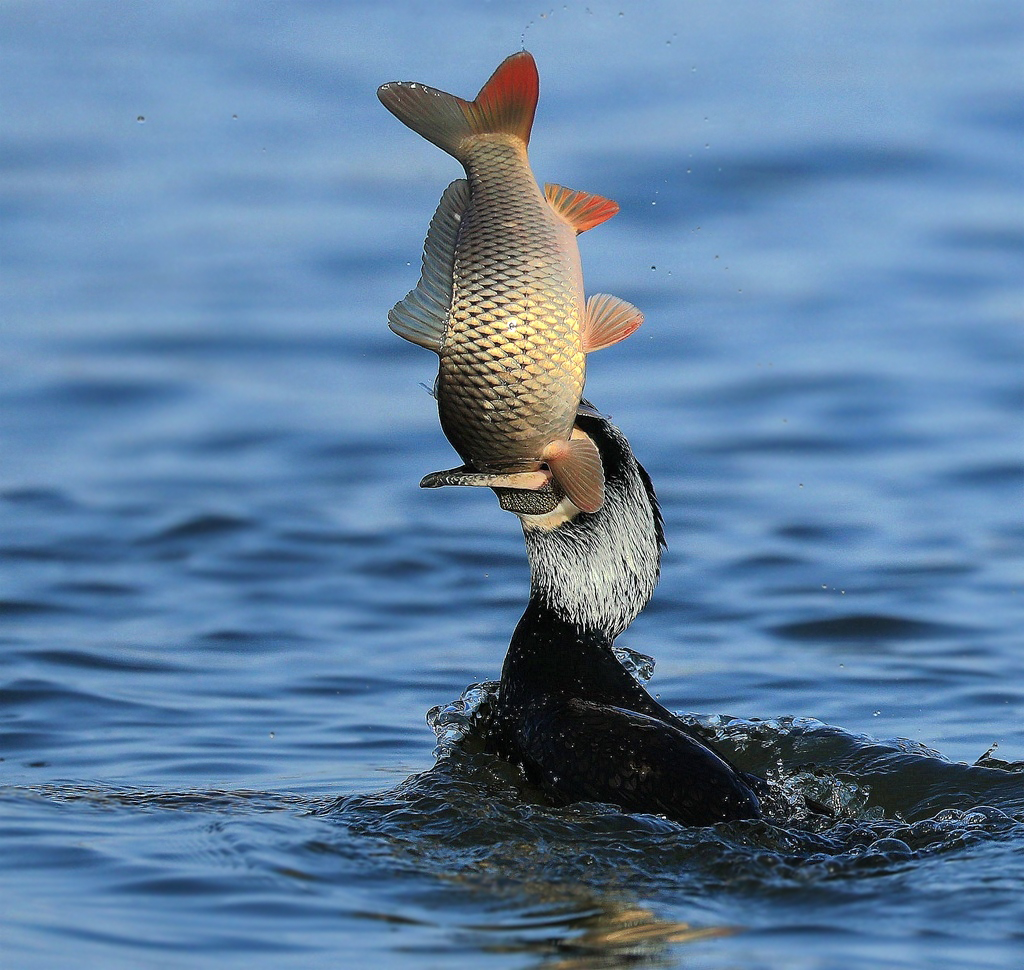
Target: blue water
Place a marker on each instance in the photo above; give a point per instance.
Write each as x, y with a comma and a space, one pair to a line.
226, 607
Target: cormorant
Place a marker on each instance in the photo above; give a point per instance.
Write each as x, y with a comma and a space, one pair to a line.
576, 720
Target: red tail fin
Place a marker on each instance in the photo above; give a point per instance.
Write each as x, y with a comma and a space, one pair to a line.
508, 101
506, 104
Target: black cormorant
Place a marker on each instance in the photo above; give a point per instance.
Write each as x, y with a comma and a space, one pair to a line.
577, 721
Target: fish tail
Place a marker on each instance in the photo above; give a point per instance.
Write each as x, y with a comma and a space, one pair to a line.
505, 105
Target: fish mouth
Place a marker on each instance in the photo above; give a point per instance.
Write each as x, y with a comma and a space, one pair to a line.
531, 492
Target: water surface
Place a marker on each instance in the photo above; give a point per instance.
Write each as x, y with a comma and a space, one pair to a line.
226, 607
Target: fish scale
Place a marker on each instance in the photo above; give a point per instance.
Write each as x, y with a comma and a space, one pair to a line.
500, 297
512, 352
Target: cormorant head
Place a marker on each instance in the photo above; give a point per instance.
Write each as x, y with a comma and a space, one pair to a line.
595, 570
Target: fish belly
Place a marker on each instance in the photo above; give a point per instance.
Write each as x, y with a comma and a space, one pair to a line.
512, 367
500, 402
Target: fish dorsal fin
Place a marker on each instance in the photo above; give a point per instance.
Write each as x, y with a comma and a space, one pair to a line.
576, 466
582, 210
608, 320
506, 105
422, 316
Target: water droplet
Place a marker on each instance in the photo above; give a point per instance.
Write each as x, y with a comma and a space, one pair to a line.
983, 814
893, 848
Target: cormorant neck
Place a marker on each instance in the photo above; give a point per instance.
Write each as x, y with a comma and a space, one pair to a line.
590, 575
550, 656
596, 572
545, 630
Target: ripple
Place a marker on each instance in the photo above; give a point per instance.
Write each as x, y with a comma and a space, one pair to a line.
202, 525
97, 587
25, 607
867, 627
93, 660
700, 189
746, 856
993, 475
45, 499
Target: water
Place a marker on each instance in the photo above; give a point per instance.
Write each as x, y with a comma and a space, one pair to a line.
227, 607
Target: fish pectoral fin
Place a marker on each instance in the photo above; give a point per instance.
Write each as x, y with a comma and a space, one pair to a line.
608, 320
464, 475
582, 210
423, 315
576, 466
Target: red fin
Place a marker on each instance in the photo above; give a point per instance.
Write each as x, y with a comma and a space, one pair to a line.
508, 101
582, 210
506, 104
607, 321
576, 466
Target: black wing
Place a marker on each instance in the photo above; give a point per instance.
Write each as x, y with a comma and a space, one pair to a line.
582, 751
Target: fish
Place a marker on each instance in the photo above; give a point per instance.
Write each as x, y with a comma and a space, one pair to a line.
500, 297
